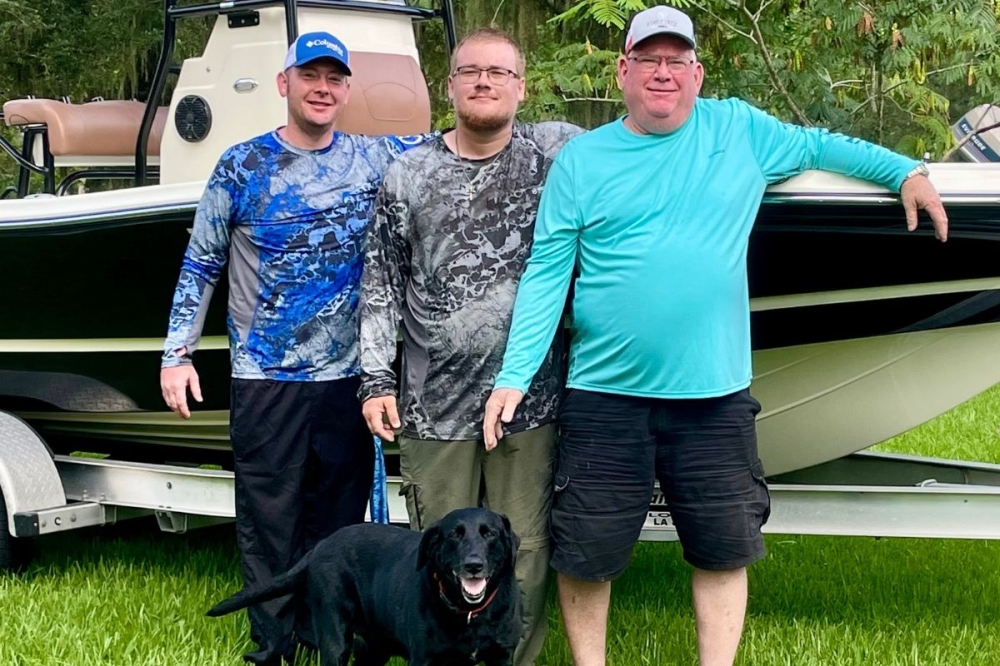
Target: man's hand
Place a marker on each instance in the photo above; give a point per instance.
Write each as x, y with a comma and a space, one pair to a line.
174, 383
376, 411
918, 192
499, 409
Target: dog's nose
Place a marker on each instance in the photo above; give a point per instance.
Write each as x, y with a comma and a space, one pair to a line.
473, 566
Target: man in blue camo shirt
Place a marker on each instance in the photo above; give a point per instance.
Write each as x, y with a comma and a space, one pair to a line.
288, 210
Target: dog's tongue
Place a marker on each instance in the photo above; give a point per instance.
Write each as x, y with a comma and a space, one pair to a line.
473, 586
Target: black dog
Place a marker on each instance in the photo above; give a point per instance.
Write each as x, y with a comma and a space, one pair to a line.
448, 596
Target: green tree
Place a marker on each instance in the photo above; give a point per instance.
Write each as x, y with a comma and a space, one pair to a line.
83, 49
898, 72
885, 71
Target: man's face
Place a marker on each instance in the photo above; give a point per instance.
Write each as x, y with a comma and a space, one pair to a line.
660, 97
486, 101
316, 92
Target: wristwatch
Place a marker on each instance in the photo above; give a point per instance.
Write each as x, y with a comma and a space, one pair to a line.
919, 170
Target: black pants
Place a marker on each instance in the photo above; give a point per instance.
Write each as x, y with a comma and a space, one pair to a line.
304, 462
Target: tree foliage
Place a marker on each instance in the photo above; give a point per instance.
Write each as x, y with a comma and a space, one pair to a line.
898, 72
83, 49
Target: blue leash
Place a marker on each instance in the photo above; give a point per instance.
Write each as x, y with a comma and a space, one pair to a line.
379, 503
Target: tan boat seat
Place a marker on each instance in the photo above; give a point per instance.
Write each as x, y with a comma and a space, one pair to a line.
98, 129
388, 96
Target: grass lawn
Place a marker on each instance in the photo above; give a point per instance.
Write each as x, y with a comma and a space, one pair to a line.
129, 595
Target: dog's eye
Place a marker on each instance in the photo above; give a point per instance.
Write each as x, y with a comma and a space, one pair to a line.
457, 533
486, 532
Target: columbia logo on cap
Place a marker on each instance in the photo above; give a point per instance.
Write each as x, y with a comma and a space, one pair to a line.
322, 42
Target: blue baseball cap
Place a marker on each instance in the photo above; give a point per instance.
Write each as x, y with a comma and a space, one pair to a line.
315, 45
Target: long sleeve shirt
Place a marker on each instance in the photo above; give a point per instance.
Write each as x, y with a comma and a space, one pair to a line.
290, 223
445, 255
657, 227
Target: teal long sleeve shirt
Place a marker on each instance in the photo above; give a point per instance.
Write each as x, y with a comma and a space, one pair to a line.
655, 228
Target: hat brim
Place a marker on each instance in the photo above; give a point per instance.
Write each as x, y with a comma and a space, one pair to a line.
684, 38
338, 62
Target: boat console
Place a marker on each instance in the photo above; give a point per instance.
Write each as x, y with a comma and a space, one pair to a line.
226, 95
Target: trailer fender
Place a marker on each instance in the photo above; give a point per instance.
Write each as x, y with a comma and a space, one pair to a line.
28, 476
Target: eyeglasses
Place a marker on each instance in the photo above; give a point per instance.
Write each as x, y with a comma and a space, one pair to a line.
649, 64
498, 76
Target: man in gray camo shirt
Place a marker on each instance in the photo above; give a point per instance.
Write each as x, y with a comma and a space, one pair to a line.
451, 234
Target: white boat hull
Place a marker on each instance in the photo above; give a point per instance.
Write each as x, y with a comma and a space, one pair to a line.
825, 401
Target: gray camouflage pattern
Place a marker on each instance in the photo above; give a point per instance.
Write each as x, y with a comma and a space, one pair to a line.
444, 255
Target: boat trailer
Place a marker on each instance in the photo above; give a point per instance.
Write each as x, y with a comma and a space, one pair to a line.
863, 494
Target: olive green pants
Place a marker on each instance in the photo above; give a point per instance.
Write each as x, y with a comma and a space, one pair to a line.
514, 479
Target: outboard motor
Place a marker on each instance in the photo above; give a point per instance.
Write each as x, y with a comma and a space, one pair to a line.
985, 146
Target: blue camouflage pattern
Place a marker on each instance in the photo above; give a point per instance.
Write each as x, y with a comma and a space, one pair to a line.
290, 224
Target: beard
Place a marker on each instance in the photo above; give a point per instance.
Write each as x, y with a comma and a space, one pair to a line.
478, 121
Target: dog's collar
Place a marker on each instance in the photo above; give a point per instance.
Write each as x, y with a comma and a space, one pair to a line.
462, 611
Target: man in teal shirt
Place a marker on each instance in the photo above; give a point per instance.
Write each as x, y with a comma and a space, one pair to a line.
654, 211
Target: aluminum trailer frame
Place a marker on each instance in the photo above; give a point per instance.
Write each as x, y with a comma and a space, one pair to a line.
864, 494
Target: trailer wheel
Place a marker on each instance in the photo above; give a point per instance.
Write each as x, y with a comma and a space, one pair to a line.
15, 554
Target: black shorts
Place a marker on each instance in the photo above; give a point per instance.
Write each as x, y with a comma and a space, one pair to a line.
704, 454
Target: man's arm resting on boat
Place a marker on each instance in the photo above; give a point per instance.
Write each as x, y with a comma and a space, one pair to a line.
918, 193
783, 150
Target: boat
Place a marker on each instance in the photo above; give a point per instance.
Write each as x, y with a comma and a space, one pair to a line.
88, 278
861, 330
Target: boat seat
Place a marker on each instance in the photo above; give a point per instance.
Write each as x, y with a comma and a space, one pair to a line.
93, 134
388, 96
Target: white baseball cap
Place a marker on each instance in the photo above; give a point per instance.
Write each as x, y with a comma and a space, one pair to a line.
659, 20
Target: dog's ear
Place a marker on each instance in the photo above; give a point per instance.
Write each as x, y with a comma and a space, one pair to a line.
429, 543
513, 541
